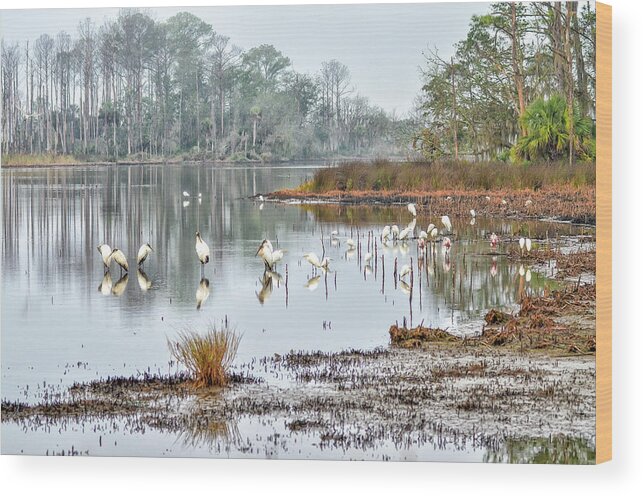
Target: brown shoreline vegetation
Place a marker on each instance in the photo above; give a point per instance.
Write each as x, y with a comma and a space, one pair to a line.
491, 189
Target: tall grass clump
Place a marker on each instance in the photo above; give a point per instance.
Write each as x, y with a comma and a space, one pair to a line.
26, 160
207, 357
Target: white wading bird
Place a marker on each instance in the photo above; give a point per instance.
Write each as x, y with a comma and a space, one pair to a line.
312, 259
405, 233
405, 271
106, 254
350, 243
395, 230
528, 244
430, 228
265, 253
119, 257
143, 253
386, 232
202, 250
423, 235
446, 222
186, 194
472, 212
202, 292
411, 208
334, 234
434, 232
521, 242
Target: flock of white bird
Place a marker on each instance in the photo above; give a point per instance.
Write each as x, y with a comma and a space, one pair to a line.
271, 256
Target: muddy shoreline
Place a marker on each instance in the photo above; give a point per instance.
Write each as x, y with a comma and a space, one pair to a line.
573, 205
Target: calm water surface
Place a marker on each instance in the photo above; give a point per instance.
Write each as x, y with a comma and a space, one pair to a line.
63, 320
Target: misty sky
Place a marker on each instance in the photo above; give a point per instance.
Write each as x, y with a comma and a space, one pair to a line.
382, 44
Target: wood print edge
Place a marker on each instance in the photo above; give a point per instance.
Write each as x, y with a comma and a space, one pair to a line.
603, 232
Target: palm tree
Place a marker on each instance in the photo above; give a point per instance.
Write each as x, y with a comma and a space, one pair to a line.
547, 125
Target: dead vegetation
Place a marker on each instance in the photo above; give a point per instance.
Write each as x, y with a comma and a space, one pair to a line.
561, 322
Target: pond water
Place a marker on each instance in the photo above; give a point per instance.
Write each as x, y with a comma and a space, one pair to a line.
64, 320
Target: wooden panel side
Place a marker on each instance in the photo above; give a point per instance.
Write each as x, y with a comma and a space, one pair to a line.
603, 232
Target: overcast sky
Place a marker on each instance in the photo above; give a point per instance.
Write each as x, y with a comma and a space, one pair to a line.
382, 44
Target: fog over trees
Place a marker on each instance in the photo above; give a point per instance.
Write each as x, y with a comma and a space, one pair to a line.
135, 87
519, 87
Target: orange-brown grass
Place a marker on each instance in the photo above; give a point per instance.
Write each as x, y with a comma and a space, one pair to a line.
383, 175
207, 357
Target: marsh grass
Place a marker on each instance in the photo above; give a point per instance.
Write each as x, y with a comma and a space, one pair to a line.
38, 159
384, 175
207, 357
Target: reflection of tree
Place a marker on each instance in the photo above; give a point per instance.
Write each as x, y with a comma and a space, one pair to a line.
557, 449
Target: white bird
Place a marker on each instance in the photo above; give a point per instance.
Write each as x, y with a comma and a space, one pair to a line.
334, 234
488, 198
202, 292
119, 257
186, 194
265, 253
404, 233
472, 212
521, 242
423, 235
261, 198
386, 232
105, 286
186, 203
446, 222
395, 230
528, 275
430, 228
528, 244
143, 253
404, 271
202, 250
350, 243
106, 254
325, 263
312, 259
411, 208
144, 282
521, 270
277, 256
528, 203
434, 232
368, 257
405, 288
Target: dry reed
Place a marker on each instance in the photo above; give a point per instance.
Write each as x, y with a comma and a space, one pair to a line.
207, 357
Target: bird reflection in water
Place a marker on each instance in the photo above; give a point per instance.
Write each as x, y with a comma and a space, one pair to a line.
312, 283
202, 292
121, 284
267, 284
105, 286
144, 282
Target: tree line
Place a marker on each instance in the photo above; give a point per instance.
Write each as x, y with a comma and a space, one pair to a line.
136, 87
520, 86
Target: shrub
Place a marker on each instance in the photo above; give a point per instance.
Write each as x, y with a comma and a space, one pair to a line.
207, 357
